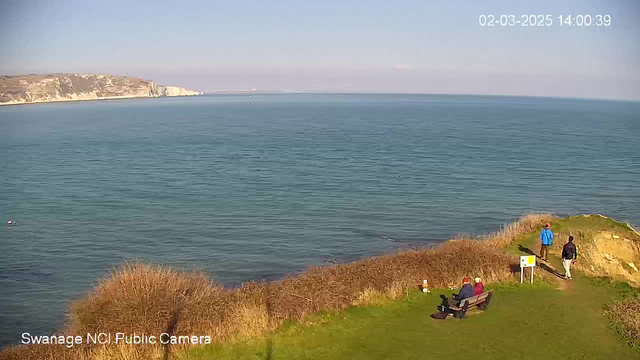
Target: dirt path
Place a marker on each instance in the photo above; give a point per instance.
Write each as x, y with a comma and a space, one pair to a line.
552, 270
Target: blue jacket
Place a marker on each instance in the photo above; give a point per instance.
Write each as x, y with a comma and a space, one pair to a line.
465, 292
547, 237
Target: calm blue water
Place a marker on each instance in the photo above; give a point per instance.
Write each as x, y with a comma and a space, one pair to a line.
254, 188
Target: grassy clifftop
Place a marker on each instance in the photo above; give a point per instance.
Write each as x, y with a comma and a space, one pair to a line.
365, 309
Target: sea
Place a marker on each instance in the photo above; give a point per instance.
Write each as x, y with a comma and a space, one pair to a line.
255, 187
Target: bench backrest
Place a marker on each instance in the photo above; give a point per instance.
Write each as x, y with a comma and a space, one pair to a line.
475, 299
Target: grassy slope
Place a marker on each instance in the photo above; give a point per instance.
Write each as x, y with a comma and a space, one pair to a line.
526, 322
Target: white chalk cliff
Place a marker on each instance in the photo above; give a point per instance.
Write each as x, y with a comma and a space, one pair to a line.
26, 89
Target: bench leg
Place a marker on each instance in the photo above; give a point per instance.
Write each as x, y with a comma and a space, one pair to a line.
463, 313
485, 304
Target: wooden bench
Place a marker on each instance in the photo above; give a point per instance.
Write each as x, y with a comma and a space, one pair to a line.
481, 301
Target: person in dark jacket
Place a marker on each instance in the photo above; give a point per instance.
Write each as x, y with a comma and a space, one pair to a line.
569, 256
465, 292
546, 237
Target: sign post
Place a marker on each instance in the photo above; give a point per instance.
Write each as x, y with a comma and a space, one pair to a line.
525, 262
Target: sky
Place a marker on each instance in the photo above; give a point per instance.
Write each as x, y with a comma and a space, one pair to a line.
423, 46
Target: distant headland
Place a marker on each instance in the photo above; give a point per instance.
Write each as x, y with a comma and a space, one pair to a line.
39, 88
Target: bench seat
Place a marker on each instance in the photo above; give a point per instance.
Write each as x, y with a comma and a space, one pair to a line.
481, 301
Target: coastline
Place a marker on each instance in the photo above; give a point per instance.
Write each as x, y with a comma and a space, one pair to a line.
125, 97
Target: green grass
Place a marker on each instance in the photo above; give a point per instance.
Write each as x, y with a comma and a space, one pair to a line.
618, 289
524, 322
536, 321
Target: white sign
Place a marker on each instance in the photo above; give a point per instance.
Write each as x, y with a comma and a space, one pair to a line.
525, 262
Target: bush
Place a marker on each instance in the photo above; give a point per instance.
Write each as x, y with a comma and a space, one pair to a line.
142, 298
625, 315
508, 234
139, 298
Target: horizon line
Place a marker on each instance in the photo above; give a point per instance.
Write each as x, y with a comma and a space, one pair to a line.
350, 92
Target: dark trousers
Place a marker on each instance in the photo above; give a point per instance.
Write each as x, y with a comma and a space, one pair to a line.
544, 251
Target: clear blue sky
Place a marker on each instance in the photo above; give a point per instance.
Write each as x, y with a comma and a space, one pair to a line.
344, 45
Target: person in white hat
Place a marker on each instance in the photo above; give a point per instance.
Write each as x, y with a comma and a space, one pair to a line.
478, 288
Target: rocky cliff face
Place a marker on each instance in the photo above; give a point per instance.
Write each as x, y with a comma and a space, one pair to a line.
24, 89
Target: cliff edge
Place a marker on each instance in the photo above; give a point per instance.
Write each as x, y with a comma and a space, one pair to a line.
34, 88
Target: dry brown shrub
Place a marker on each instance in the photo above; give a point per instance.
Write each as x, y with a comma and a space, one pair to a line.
127, 352
37, 352
60, 352
337, 287
371, 297
140, 298
509, 232
626, 315
143, 298
229, 313
44, 352
397, 290
250, 321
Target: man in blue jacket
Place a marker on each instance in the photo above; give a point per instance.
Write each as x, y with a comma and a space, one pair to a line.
546, 236
465, 292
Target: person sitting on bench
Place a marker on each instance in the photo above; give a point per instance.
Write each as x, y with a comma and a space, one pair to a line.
465, 292
478, 288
